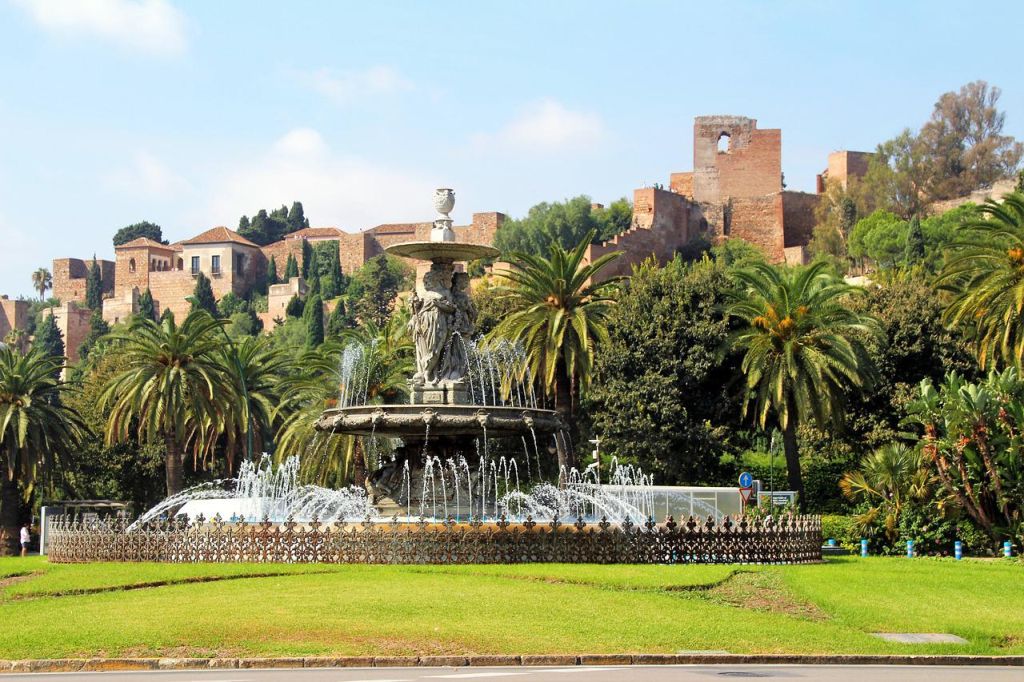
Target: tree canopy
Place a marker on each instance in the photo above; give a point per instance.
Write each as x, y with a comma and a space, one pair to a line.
268, 227
136, 230
564, 223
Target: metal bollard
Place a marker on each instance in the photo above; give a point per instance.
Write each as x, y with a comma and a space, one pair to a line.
1007, 549
910, 549
863, 547
958, 550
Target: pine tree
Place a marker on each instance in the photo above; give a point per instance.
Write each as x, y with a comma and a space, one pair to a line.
291, 267
98, 328
243, 224
147, 308
295, 307
297, 219
203, 298
94, 287
272, 272
331, 283
49, 338
914, 251
313, 316
312, 273
313, 284
307, 257
339, 321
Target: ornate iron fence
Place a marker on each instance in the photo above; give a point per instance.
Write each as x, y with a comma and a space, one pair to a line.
788, 539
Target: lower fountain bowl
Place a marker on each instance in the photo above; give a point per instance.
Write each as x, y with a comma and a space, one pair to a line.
405, 421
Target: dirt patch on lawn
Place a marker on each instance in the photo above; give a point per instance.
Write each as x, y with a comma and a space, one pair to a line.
762, 591
15, 578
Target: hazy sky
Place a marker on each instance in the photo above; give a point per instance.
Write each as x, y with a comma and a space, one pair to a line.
190, 114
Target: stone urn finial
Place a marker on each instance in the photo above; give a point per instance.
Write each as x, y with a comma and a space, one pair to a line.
444, 201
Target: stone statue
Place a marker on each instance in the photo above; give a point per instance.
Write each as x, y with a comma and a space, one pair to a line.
431, 327
463, 326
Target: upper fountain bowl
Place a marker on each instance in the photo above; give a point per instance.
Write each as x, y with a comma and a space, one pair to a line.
404, 421
442, 251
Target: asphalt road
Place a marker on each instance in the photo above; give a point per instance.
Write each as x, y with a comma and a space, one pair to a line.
667, 673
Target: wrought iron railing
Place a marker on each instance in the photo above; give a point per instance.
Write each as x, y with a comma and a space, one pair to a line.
788, 539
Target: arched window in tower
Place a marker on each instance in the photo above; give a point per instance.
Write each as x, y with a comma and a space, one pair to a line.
131, 265
723, 143
181, 264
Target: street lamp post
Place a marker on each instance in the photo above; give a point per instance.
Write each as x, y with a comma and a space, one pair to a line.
241, 377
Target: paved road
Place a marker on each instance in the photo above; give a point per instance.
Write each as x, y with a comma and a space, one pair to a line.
667, 673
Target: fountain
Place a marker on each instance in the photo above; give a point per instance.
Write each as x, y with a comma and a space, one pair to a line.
453, 405
444, 495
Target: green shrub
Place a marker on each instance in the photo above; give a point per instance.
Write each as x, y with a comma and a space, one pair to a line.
842, 529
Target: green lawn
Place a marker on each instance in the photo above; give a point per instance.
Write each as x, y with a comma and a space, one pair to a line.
270, 609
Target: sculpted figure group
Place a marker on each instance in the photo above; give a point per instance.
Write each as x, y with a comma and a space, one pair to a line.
442, 317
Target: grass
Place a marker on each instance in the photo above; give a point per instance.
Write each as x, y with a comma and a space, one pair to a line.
288, 610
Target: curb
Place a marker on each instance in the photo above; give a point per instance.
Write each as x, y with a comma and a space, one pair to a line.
54, 665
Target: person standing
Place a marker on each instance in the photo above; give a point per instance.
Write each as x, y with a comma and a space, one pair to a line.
26, 537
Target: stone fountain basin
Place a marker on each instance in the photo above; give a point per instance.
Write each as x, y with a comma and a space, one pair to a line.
443, 251
410, 421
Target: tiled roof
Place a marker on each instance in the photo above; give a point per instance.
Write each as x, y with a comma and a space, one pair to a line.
218, 235
315, 233
143, 242
391, 228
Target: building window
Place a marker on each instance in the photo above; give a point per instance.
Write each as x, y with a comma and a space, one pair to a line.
215, 264
181, 264
239, 263
131, 265
195, 265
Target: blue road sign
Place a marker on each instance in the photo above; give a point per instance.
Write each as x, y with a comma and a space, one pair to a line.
746, 480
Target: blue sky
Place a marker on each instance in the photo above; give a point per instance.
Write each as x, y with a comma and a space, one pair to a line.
190, 114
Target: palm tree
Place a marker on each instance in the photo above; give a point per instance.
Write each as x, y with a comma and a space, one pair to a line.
41, 281
802, 349
315, 385
36, 429
172, 387
559, 314
986, 275
889, 478
253, 406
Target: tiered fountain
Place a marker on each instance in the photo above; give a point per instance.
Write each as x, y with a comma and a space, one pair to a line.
459, 397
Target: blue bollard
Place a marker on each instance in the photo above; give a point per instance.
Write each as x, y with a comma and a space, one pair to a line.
1007, 549
910, 549
958, 550
863, 547
832, 542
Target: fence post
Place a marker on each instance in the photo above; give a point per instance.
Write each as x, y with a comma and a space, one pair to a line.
1007, 549
910, 549
958, 550
863, 547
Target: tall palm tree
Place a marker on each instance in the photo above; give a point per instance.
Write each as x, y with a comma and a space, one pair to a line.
41, 281
559, 314
985, 272
316, 383
258, 369
36, 429
172, 387
802, 349
889, 478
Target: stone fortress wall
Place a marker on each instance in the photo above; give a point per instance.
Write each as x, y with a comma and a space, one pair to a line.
735, 190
